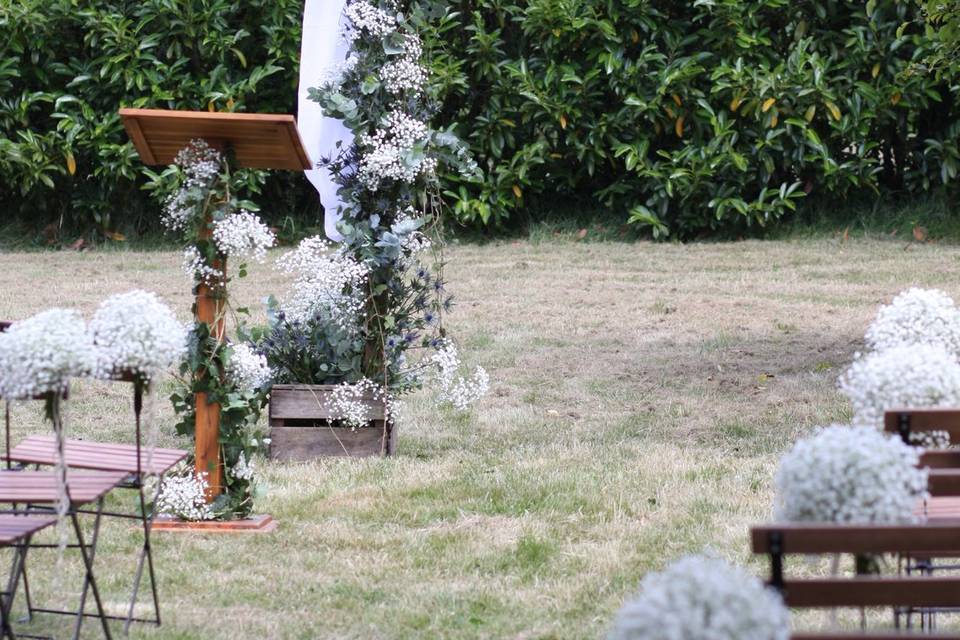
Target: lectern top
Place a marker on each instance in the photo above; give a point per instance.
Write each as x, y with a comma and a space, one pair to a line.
259, 140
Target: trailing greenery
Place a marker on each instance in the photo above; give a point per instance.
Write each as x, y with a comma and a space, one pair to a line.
689, 116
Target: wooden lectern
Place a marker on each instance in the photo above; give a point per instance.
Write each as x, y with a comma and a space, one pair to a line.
255, 141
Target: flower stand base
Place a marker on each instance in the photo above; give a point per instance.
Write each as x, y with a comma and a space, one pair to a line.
254, 524
301, 430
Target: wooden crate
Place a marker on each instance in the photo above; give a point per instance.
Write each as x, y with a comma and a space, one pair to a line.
301, 429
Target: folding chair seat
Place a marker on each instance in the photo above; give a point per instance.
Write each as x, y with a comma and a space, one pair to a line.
15, 533
134, 463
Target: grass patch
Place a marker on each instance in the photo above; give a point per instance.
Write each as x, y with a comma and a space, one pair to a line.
641, 395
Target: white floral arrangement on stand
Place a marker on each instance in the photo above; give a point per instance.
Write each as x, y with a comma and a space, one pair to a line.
39, 355
917, 316
901, 377
702, 598
849, 475
136, 333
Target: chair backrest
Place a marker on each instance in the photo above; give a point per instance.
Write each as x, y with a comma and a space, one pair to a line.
905, 421
780, 540
944, 463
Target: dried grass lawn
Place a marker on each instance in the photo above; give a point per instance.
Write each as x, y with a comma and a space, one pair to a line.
640, 397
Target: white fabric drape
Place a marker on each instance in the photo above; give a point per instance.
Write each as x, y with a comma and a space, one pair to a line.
321, 51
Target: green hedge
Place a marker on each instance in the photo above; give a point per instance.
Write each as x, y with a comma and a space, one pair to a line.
67, 66
691, 115
684, 117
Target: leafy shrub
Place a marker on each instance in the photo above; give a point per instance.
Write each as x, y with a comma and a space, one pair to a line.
690, 116
66, 69
686, 116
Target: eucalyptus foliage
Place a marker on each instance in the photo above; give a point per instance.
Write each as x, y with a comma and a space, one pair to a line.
389, 187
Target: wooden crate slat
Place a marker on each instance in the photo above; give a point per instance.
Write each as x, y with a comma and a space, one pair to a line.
298, 444
307, 402
941, 459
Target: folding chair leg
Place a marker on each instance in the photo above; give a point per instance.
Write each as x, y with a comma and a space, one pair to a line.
146, 554
6, 603
86, 579
88, 565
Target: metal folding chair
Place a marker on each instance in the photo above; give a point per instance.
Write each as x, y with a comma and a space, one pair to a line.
31, 492
131, 462
15, 533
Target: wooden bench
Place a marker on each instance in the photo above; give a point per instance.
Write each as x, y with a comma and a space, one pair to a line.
907, 593
944, 464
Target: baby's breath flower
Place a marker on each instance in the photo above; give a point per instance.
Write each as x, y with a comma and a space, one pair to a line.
454, 388
917, 316
328, 281
247, 369
702, 598
40, 354
244, 469
849, 474
366, 20
910, 377
184, 496
350, 405
136, 332
244, 236
390, 151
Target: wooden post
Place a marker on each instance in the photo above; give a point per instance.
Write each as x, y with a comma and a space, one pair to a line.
210, 310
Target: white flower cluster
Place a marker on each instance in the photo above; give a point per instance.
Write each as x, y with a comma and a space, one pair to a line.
368, 20
917, 316
333, 75
136, 332
912, 376
350, 404
184, 496
935, 439
328, 280
849, 474
243, 235
701, 598
405, 73
201, 164
40, 354
247, 369
454, 388
244, 469
391, 155
196, 267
